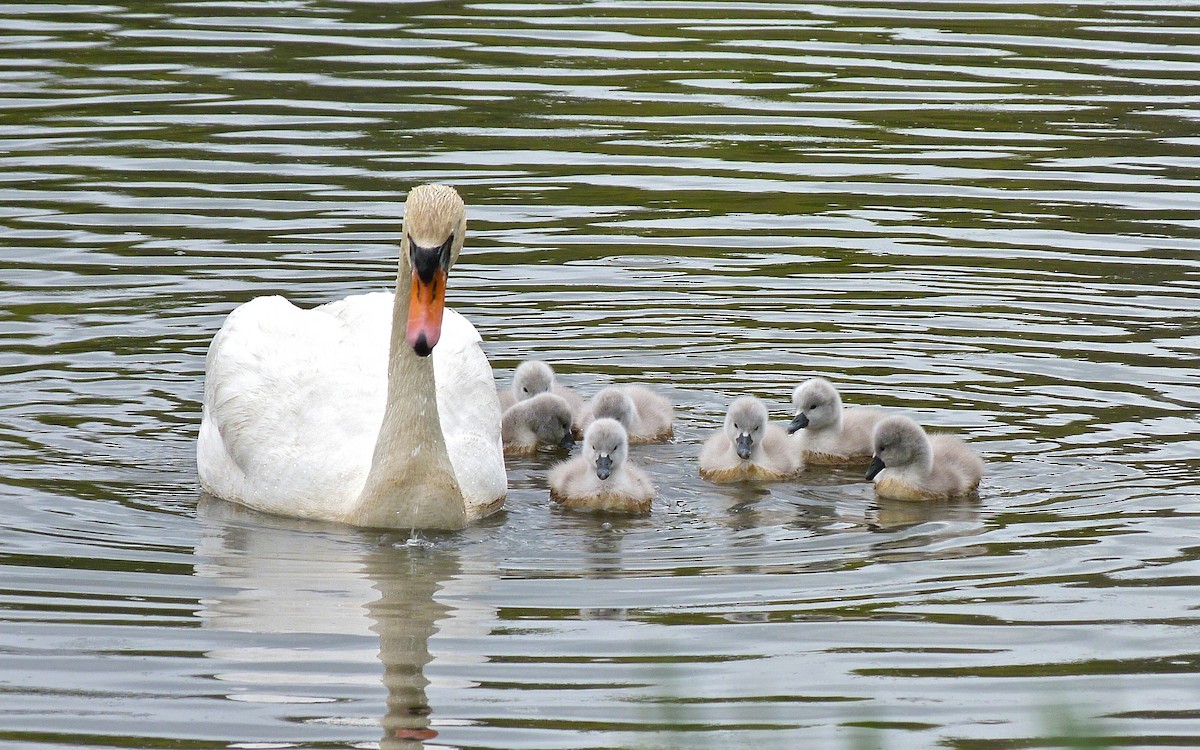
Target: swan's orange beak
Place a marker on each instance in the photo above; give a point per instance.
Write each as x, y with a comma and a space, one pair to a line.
425, 306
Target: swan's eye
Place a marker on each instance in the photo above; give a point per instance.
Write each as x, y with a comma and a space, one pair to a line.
811, 407
525, 390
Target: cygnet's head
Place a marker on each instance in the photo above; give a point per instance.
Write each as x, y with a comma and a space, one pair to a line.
817, 405
531, 378
614, 403
746, 424
898, 442
550, 419
605, 446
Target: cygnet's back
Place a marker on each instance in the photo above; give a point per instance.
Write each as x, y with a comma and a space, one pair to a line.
544, 420
648, 417
601, 478
830, 433
909, 465
748, 446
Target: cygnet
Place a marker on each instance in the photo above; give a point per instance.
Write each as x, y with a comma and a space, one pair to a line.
533, 377
831, 434
544, 420
749, 447
910, 465
601, 478
647, 417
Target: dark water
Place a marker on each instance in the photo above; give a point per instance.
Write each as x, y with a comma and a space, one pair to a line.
987, 215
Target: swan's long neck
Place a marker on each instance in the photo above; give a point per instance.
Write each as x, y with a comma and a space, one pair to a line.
411, 482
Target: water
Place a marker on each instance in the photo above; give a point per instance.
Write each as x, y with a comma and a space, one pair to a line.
984, 214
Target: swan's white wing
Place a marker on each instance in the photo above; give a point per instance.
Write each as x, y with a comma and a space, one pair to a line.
470, 414
293, 401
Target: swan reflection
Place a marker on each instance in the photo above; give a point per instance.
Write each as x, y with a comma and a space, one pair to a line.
368, 595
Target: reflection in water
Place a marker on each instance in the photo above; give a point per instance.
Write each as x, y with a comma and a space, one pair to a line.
886, 514
293, 578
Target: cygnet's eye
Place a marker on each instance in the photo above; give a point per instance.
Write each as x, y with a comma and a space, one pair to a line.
735, 426
811, 407
525, 390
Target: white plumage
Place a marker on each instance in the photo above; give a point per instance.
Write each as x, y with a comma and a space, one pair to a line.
294, 413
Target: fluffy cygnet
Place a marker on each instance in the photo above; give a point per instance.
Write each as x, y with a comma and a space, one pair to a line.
646, 416
910, 465
749, 447
831, 434
601, 478
544, 420
533, 377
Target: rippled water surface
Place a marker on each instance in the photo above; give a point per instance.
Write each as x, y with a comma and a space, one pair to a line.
984, 214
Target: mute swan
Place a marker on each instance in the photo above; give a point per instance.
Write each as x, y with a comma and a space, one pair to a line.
602, 478
909, 465
749, 447
533, 377
832, 435
646, 416
338, 413
544, 419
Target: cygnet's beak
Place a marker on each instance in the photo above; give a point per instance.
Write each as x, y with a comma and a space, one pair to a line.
427, 300
745, 445
604, 467
568, 441
799, 423
876, 466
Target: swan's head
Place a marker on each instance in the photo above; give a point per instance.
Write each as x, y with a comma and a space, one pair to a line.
435, 220
531, 378
746, 424
550, 419
614, 403
817, 405
898, 442
605, 446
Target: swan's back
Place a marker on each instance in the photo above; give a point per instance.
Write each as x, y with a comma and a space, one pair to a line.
281, 380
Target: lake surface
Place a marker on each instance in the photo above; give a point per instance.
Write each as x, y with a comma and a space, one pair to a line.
986, 215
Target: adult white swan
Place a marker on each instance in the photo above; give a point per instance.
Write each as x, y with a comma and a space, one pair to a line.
339, 413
